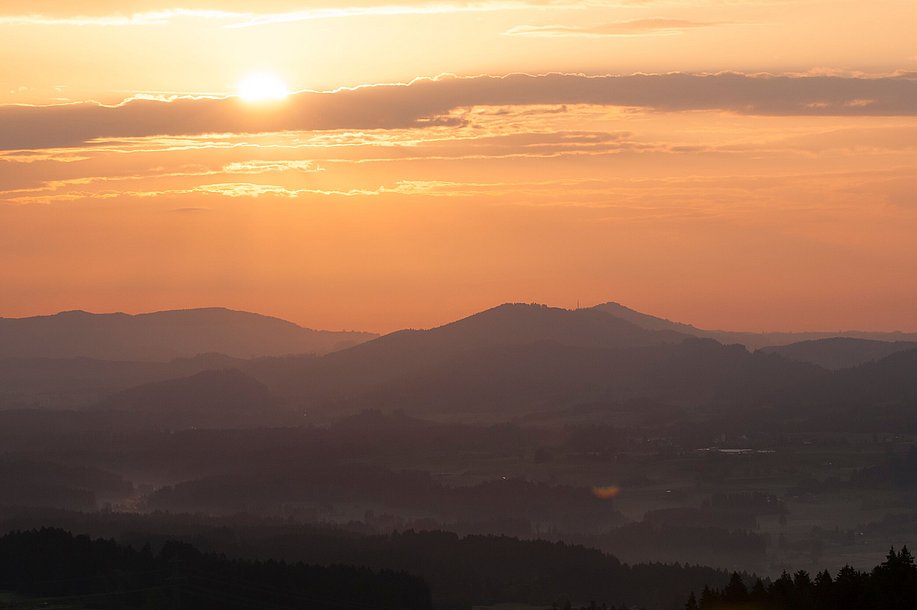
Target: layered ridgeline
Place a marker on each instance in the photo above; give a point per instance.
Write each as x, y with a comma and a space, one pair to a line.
841, 352
164, 335
408, 356
76, 358
867, 345
226, 398
504, 362
517, 359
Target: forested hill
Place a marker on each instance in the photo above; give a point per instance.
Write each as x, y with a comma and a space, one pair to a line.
460, 571
53, 568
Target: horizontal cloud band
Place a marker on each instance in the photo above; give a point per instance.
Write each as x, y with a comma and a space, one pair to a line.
428, 102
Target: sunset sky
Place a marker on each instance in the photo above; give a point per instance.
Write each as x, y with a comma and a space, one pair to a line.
373, 164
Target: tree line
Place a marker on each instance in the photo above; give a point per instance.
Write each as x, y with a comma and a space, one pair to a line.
891, 585
53, 568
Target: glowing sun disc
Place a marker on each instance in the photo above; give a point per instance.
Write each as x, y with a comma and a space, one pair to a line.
261, 87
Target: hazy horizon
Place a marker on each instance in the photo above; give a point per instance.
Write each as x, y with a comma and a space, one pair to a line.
305, 321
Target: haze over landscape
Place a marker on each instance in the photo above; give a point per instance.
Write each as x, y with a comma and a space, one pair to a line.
493, 305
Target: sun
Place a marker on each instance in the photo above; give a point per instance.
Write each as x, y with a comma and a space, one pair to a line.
262, 87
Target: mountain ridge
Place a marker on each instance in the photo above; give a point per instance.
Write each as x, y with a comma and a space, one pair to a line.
164, 335
751, 340
840, 352
388, 357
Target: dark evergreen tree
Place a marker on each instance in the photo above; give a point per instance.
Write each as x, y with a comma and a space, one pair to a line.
735, 593
892, 585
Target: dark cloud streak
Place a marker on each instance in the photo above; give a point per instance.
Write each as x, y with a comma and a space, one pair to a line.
427, 102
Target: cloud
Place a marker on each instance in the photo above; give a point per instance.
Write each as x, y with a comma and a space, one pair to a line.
244, 13
263, 167
239, 14
189, 210
18, 184
160, 17
419, 8
428, 102
637, 27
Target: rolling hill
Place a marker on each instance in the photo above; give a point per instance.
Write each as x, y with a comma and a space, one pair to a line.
841, 352
352, 371
212, 399
164, 335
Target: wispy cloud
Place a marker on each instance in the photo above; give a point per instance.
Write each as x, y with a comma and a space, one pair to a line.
159, 17
240, 15
388, 10
262, 167
238, 168
244, 13
637, 27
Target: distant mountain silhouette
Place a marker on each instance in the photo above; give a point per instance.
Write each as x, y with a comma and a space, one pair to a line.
164, 335
519, 379
750, 340
506, 361
353, 370
212, 399
892, 379
27, 482
65, 383
841, 352
520, 324
875, 396
518, 358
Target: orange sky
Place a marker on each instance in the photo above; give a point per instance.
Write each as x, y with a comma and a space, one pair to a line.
733, 164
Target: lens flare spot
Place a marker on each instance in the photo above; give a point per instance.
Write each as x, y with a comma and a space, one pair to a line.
607, 492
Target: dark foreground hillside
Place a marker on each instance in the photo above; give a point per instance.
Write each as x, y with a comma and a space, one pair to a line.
53, 568
461, 571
